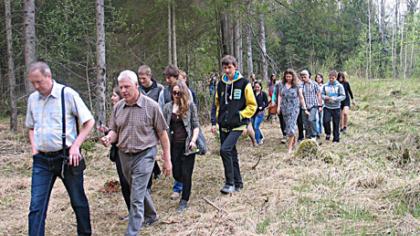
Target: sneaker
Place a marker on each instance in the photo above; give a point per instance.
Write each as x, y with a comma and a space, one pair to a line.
327, 137
183, 205
175, 195
149, 221
227, 189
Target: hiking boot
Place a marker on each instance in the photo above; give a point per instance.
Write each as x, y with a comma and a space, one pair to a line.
183, 205
227, 189
175, 195
238, 188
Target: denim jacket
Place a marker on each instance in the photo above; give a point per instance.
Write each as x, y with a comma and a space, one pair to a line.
190, 122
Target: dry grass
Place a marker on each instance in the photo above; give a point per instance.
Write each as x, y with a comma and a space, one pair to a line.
366, 184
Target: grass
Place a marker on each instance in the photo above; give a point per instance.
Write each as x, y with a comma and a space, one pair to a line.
369, 185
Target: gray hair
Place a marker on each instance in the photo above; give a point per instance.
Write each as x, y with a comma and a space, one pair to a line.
128, 74
41, 66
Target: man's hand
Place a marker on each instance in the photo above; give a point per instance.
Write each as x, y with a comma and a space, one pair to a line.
192, 146
320, 108
307, 112
213, 129
106, 140
167, 164
327, 98
74, 155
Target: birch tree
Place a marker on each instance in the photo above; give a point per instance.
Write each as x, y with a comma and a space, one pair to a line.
100, 63
30, 38
11, 66
263, 47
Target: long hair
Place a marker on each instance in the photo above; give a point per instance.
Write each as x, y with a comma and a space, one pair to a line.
294, 76
117, 91
184, 98
341, 75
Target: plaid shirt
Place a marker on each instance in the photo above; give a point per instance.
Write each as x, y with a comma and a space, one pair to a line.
137, 126
310, 91
44, 117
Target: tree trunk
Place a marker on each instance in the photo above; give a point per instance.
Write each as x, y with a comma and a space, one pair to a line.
394, 43
11, 66
263, 48
169, 33
100, 63
174, 54
238, 43
381, 27
224, 34
249, 64
30, 39
369, 57
402, 48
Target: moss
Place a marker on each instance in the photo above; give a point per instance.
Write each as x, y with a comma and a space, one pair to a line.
307, 149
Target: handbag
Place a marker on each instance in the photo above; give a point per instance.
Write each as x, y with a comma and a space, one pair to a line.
201, 143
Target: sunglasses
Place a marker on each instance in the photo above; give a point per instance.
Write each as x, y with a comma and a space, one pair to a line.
176, 93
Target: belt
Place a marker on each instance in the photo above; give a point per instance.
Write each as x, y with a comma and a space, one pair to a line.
53, 154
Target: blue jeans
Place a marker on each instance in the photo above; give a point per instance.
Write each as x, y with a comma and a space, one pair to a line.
319, 122
310, 122
45, 171
177, 186
256, 123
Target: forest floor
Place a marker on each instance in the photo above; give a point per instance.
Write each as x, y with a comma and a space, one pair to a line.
369, 183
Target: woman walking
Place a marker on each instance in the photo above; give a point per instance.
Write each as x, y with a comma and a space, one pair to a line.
319, 79
345, 105
182, 118
289, 97
114, 157
257, 119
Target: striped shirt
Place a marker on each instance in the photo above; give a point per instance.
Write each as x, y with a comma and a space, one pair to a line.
43, 115
137, 126
310, 91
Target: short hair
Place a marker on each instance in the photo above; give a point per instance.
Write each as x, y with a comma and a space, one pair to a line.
171, 70
144, 69
41, 66
128, 74
333, 73
229, 59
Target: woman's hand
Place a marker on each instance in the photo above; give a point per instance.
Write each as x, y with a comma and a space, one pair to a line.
192, 146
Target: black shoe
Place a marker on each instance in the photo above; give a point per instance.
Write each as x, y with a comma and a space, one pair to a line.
238, 188
227, 189
124, 218
149, 221
327, 137
336, 141
183, 205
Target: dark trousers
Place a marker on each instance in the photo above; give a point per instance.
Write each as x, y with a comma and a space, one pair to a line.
155, 174
300, 125
45, 170
125, 187
282, 124
229, 156
182, 168
333, 114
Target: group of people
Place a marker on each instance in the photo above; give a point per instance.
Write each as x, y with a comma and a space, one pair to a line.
146, 114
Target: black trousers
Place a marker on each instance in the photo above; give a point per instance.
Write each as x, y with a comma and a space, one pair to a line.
155, 174
125, 187
182, 168
300, 125
282, 124
229, 156
334, 115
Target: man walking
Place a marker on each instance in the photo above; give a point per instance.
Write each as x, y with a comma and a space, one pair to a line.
332, 93
312, 97
137, 126
56, 147
235, 105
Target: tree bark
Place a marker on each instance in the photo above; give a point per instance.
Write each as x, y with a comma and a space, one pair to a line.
11, 66
263, 48
174, 54
249, 64
30, 39
369, 56
382, 34
394, 43
100, 63
169, 33
238, 42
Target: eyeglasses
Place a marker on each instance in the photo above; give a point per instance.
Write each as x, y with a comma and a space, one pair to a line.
176, 93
